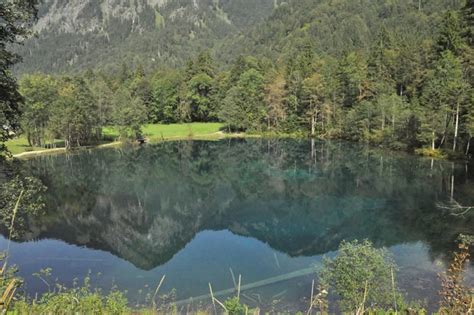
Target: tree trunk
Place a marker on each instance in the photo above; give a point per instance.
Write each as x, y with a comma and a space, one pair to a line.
322, 122
313, 125
383, 120
28, 136
447, 122
433, 139
452, 181
456, 128
468, 145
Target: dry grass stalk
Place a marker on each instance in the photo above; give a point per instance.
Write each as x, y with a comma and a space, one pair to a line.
455, 208
456, 298
8, 295
311, 298
361, 309
212, 298
9, 292
233, 277
156, 292
238, 288
394, 291
216, 300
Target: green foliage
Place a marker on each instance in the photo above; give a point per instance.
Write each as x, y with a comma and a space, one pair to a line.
157, 132
352, 75
129, 115
234, 307
361, 275
16, 18
428, 152
78, 300
39, 93
200, 97
450, 34
74, 117
137, 32
165, 89
27, 192
445, 90
244, 107
395, 73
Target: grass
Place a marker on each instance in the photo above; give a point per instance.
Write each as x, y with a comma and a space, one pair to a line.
161, 131
154, 132
20, 145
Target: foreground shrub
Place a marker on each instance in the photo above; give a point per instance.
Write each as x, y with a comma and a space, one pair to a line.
81, 300
456, 297
432, 153
362, 276
234, 307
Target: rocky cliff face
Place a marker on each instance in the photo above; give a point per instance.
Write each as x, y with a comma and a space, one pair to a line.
89, 16
74, 35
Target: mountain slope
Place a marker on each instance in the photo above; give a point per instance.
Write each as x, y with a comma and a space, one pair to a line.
337, 26
78, 34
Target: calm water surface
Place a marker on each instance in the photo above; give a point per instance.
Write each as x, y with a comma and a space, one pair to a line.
269, 210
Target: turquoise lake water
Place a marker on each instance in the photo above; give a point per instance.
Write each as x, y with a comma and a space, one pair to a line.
268, 210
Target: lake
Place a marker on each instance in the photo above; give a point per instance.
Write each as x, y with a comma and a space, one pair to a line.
270, 210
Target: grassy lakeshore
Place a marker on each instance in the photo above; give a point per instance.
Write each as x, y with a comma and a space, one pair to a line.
154, 132
19, 147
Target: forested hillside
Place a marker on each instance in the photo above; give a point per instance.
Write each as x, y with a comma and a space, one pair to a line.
336, 26
80, 34
76, 35
393, 73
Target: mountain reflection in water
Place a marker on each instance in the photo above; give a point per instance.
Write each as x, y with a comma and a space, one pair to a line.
302, 198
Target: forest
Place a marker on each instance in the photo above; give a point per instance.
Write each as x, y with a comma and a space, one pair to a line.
405, 88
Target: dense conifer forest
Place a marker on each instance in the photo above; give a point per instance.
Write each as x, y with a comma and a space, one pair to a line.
392, 73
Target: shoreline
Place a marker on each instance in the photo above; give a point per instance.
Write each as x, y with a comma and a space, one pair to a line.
152, 140
203, 137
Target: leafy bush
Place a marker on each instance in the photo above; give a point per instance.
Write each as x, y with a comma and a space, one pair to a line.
428, 152
456, 297
78, 300
361, 275
234, 307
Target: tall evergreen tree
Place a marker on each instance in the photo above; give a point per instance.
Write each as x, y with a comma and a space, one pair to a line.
244, 107
450, 34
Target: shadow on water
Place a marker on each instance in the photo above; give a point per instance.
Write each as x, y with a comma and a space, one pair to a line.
302, 198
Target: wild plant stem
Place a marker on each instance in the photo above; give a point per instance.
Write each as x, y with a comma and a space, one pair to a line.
393, 291
312, 300
156, 292
11, 229
238, 288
